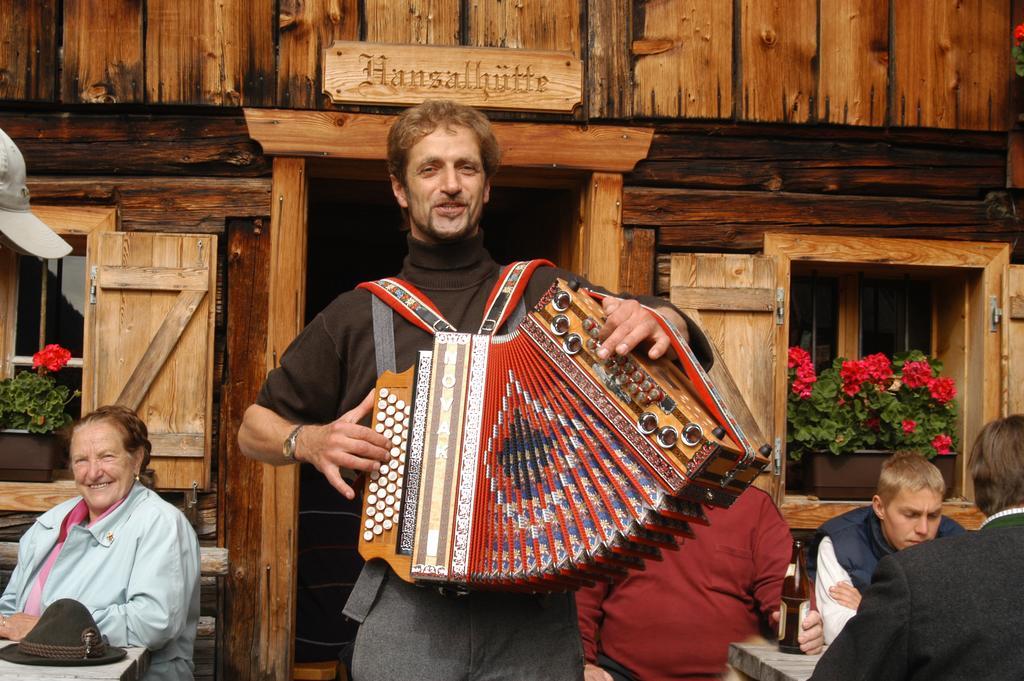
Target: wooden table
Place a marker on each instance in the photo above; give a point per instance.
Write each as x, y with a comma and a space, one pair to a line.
764, 662
131, 668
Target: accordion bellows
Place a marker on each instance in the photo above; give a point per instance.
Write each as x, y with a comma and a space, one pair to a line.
524, 461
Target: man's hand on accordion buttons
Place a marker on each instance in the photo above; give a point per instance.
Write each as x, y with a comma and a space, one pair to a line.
628, 324
344, 444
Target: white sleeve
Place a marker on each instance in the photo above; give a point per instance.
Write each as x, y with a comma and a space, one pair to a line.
833, 615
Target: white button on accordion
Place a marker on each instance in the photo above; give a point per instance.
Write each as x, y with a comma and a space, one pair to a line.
525, 462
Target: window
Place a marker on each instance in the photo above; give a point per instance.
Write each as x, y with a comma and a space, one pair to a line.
941, 297
895, 316
44, 301
880, 308
51, 309
813, 322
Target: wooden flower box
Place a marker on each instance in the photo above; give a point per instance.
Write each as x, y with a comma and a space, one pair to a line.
29, 457
855, 476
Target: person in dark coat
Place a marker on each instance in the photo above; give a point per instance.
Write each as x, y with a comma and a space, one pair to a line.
951, 608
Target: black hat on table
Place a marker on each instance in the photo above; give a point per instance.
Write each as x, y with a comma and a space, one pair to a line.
66, 635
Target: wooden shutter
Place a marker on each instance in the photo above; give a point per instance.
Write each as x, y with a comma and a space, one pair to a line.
1014, 311
150, 344
733, 297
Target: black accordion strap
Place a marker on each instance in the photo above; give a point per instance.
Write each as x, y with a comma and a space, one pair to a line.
383, 336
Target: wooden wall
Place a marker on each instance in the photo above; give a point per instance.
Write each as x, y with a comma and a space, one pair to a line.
723, 188
174, 173
868, 117
941, 63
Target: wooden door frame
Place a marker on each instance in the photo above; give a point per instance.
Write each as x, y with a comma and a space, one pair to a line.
590, 160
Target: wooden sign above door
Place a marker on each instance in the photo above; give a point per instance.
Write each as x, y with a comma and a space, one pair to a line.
488, 78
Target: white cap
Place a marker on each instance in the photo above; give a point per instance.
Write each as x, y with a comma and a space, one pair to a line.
19, 228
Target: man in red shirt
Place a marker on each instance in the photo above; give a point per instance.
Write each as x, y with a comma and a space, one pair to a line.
676, 619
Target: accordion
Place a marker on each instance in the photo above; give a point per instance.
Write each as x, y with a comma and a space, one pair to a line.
525, 462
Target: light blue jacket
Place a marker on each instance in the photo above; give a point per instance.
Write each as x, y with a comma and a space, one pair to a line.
137, 570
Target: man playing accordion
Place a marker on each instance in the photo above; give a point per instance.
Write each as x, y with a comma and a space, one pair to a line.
442, 157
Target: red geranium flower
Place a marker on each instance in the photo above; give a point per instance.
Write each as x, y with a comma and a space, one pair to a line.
909, 426
1018, 33
941, 443
853, 374
916, 374
878, 368
942, 389
51, 358
798, 356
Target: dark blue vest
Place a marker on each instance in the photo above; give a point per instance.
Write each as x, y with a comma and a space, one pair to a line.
859, 543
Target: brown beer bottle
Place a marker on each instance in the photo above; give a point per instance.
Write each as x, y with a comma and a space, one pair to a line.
796, 601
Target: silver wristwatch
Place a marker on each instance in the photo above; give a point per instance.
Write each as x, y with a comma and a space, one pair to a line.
289, 444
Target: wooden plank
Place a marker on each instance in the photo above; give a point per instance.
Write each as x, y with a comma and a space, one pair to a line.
241, 479
987, 357
123, 144
765, 662
955, 73
316, 671
178, 444
709, 298
154, 278
248, 31
636, 264
683, 59
492, 78
102, 52
854, 61
848, 319
176, 47
1017, 305
212, 560
808, 513
695, 219
219, 54
279, 509
307, 28
525, 145
35, 496
551, 25
778, 48
872, 250
777, 161
609, 89
167, 336
601, 217
28, 50
414, 22
161, 204
951, 296
1015, 340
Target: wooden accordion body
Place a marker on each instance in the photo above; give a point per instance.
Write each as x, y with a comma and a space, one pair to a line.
526, 462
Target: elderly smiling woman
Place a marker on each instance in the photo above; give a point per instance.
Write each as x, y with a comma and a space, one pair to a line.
128, 555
